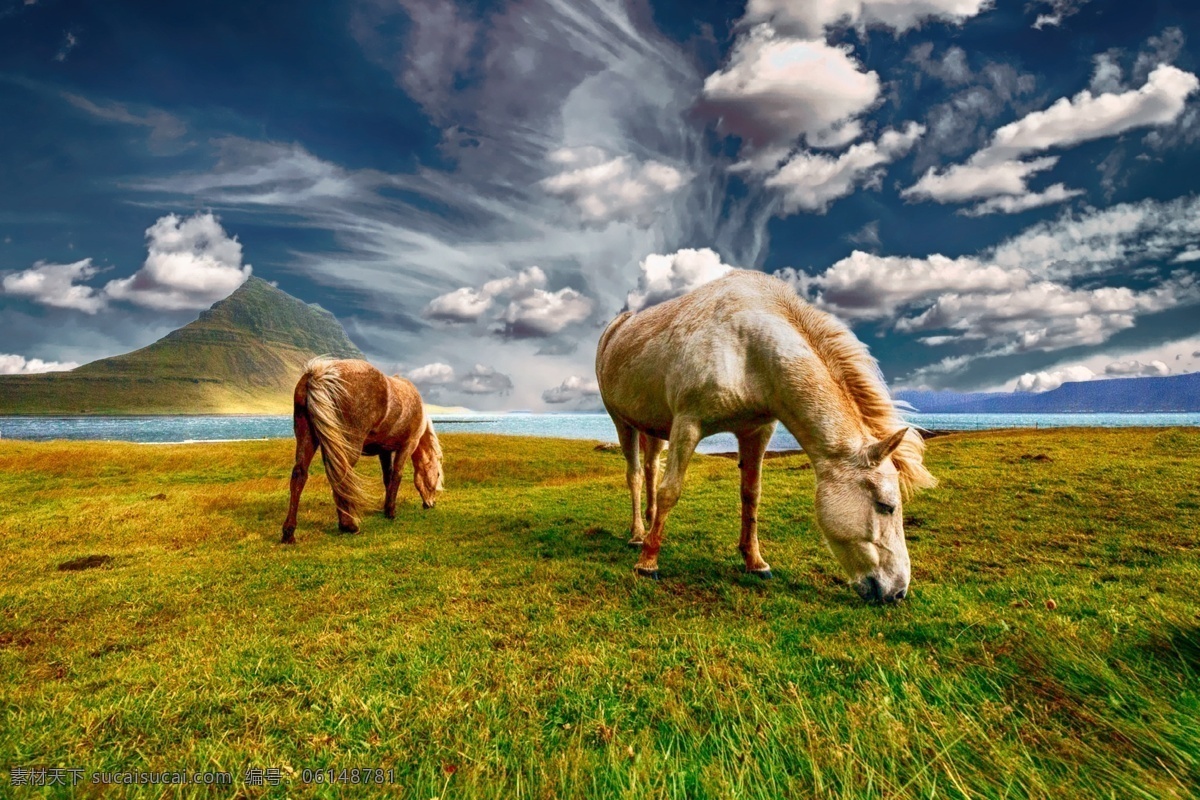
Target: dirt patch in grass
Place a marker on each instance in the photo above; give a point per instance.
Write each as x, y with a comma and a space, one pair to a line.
84, 562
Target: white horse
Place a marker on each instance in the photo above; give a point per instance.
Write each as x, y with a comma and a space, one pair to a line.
736, 355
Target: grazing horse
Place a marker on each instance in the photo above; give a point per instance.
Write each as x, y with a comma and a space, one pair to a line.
348, 408
737, 355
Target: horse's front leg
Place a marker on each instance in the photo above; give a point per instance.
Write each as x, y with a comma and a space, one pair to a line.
685, 435
751, 448
396, 473
628, 437
306, 448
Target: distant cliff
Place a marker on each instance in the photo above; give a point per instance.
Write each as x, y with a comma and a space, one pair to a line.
243, 355
1120, 395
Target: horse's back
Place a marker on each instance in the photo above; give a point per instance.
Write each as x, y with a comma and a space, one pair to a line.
703, 353
363, 395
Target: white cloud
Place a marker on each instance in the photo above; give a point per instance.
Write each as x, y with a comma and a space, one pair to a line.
1187, 256
18, 365
573, 389
667, 276
437, 378
1022, 295
70, 41
1050, 380
811, 181
1056, 11
604, 189
1108, 76
541, 313
812, 17
531, 311
998, 170
435, 374
485, 380
192, 263
776, 89
461, 305
55, 285
1048, 316
1015, 204
1182, 353
978, 179
1137, 369
864, 286
1086, 116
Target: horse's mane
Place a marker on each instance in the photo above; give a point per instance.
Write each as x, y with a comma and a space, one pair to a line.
858, 377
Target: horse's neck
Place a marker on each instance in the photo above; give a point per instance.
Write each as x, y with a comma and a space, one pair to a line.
813, 409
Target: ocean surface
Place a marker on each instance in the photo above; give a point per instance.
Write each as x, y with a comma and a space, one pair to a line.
596, 427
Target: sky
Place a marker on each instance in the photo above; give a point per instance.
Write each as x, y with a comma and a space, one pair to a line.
992, 193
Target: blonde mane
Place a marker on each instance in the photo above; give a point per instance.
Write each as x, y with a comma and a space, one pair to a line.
860, 382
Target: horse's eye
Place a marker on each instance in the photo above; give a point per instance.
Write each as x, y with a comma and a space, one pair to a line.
884, 508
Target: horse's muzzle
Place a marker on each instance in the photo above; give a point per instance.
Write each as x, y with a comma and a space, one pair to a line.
871, 590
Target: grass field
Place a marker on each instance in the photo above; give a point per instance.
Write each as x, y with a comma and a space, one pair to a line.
500, 646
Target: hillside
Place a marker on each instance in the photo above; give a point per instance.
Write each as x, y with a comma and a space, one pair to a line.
1118, 395
243, 355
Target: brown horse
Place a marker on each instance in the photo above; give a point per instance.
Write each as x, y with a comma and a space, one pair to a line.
348, 408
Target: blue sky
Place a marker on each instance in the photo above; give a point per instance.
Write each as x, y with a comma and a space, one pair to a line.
993, 194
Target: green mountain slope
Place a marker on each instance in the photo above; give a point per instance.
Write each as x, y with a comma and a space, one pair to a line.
243, 355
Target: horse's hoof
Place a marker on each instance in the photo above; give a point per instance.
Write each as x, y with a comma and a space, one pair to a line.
636, 542
289, 537
765, 574
347, 528
652, 574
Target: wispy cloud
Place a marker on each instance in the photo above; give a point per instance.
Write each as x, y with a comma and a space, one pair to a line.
538, 83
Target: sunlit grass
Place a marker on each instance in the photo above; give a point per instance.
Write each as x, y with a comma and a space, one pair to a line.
499, 645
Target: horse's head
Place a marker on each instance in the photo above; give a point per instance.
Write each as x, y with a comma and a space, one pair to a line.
859, 511
427, 466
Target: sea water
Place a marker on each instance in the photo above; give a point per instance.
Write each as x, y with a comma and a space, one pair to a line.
596, 427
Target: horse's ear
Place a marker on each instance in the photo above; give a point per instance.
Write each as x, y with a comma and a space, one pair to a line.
877, 452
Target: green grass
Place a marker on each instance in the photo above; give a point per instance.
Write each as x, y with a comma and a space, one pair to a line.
500, 646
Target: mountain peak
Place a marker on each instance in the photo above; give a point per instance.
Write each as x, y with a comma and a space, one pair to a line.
274, 317
242, 355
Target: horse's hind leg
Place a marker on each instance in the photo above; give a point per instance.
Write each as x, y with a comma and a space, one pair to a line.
306, 447
751, 448
628, 438
651, 447
685, 435
386, 459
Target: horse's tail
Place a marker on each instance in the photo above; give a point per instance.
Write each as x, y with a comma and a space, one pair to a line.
325, 397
